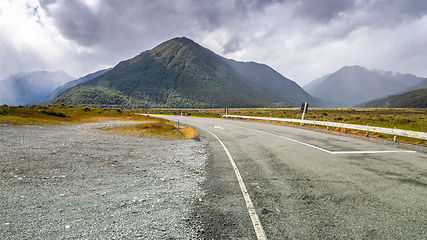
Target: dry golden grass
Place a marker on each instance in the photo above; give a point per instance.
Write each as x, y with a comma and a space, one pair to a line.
156, 127
61, 114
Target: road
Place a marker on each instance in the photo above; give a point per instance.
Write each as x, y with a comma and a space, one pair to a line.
305, 184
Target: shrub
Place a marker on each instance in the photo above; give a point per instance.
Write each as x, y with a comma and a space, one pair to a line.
3, 111
52, 113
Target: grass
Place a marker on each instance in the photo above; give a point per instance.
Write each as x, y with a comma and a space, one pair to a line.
401, 118
407, 119
156, 127
62, 114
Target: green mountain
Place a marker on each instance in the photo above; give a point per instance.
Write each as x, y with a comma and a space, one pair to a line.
412, 99
181, 73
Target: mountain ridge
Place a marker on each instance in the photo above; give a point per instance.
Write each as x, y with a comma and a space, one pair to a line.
352, 85
47, 99
27, 87
181, 73
411, 99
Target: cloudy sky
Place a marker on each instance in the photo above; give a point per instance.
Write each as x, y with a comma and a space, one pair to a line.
301, 39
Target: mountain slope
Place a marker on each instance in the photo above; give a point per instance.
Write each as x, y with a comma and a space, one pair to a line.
407, 79
181, 73
315, 83
420, 85
412, 99
60, 89
352, 85
273, 82
28, 87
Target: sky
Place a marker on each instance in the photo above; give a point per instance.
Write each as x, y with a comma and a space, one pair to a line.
301, 39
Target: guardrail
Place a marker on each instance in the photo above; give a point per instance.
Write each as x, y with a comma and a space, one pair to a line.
391, 131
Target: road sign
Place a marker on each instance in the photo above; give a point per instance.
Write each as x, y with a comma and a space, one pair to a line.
304, 107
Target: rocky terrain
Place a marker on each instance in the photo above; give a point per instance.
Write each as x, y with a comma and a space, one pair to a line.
76, 182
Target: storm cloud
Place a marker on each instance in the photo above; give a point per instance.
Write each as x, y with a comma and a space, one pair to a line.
303, 39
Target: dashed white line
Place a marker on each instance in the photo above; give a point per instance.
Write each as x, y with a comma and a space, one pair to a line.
254, 216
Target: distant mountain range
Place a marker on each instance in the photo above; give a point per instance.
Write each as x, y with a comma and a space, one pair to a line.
413, 97
354, 85
28, 87
181, 73
47, 99
420, 85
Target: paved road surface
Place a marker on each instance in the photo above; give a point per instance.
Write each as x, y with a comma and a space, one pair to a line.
308, 185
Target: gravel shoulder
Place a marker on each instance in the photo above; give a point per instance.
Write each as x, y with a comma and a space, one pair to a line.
74, 182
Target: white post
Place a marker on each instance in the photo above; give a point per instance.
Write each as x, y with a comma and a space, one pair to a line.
367, 132
303, 112
395, 134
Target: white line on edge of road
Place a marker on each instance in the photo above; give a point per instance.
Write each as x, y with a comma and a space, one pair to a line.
338, 152
324, 150
254, 217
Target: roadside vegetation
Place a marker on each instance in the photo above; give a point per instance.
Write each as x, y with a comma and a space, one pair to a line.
61, 114
402, 118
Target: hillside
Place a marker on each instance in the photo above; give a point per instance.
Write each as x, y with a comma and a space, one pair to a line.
47, 99
28, 87
420, 85
315, 83
181, 73
412, 99
352, 85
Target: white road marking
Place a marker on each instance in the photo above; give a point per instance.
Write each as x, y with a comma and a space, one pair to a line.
330, 152
218, 127
254, 217
385, 151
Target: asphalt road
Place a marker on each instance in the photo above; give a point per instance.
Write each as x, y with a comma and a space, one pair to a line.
305, 184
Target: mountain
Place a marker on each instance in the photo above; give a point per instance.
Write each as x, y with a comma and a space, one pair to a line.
420, 85
407, 79
412, 99
28, 87
181, 73
47, 99
315, 83
352, 85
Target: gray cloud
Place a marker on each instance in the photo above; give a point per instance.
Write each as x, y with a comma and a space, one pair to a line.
246, 6
99, 36
233, 45
323, 11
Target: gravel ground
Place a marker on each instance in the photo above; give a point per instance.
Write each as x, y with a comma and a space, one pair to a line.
73, 182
